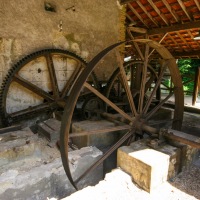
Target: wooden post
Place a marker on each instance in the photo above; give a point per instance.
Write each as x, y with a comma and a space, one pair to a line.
196, 86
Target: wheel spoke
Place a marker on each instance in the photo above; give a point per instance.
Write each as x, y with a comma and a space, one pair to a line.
108, 153
52, 74
152, 112
100, 131
143, 82
32, 87
155, 88
71, 81
107, 101
138, 50
126, 86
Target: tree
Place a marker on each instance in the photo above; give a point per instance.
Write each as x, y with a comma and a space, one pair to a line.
187, 69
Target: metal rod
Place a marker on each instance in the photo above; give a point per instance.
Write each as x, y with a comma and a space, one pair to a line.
106, 100
171, 136
52, 73
93, 132
154, 90
126, 86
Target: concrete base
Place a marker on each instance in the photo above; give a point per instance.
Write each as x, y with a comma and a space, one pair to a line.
98, 140
148, 167
30, 169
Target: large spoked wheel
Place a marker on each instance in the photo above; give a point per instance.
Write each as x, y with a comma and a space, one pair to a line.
38, 85
136, 118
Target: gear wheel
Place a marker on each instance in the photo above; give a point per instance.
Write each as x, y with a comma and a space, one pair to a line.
39, 83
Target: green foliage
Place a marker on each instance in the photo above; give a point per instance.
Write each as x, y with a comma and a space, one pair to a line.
188, 68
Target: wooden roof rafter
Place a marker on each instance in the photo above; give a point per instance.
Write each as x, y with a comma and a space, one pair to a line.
197, 4
158, 12
178, 19
137, 14
147, 13
175, 16
184, 9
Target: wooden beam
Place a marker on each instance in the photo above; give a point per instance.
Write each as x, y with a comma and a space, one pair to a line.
184, 9
183, 54
158, 12
173, 28
197, 3
126, 1
147, 13
170, 10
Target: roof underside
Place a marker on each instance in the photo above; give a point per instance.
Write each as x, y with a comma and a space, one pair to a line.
172, 23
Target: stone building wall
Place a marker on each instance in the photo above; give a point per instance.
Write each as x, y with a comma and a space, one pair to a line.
27, 27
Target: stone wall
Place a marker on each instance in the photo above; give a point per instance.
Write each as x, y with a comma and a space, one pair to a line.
87, 29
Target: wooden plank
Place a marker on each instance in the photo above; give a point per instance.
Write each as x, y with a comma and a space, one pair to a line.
126, 1
173, 28
184, 53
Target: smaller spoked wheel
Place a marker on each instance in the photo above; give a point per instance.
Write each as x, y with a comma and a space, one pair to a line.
91, 108
115, 90
130, 98
38, 85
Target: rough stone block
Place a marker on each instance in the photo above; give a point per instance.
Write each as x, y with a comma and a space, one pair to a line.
38, 174
17, 145
189, 154
148, 167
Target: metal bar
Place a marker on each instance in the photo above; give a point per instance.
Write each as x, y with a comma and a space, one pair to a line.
126, 86
154, 90
28, 85
143, 82
33, 109
152, 112
111, 150
70, 82
52, 74
171, 136
106, 100
99, 131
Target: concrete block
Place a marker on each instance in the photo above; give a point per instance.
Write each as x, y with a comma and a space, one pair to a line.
99, 140
148, 167
173, 152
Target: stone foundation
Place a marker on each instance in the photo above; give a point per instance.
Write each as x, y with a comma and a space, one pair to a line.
30, 169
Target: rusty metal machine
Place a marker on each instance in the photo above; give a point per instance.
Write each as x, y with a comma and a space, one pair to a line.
130, 97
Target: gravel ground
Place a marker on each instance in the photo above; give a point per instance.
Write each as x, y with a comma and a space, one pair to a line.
118, 185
